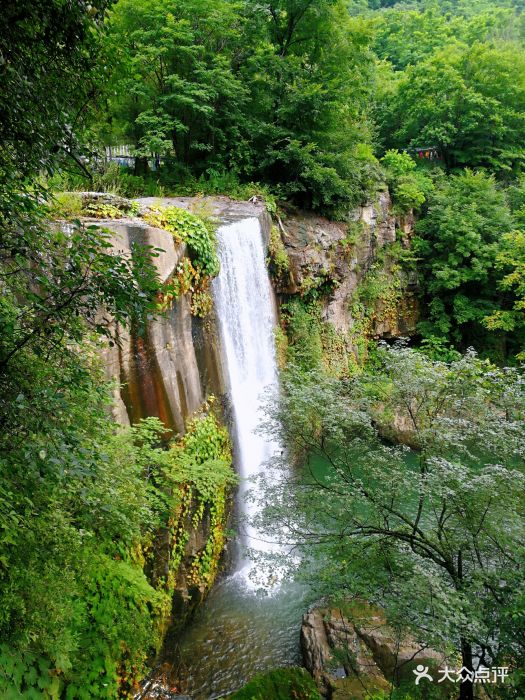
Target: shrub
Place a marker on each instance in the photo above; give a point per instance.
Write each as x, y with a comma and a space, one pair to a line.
278, 261
193, 274
408, 194
65, 205
190, 229
398, 163
408, 186
281, 684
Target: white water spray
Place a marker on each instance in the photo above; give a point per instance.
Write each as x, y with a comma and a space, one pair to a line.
247, 321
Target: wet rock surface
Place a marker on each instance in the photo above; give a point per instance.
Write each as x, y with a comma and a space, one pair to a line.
168, 370
354, 653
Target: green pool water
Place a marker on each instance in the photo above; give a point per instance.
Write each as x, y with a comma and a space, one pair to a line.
236, 633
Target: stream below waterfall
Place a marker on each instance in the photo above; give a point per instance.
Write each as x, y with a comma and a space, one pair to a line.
235, 634
243, 627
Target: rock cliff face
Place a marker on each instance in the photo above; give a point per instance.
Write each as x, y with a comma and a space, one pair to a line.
168, 370
353, 653
344, 254
158, 369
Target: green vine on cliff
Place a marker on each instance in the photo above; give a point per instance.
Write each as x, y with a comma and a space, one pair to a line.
195, 271
205, 564
376, 301
278, 261
309, 341
190, 229
203, 458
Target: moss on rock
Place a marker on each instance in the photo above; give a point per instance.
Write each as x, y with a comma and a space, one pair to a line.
280, 684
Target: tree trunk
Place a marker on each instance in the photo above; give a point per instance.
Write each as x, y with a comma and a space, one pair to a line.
466, 690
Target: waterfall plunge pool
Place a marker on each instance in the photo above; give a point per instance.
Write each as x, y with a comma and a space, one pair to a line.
235, 634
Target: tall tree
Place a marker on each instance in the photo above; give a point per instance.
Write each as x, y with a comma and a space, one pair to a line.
468, 101
175, 91
310, 76
458, 241
66, 504
48, 53
435, 535
272, 91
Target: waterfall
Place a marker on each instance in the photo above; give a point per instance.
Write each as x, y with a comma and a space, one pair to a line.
238, 633
247, 320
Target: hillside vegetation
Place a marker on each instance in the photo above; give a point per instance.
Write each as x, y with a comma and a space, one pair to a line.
312, 104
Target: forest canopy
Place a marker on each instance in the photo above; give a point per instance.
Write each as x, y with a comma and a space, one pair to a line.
317, 105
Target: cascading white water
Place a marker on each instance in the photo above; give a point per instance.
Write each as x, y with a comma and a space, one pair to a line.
247, 320
238, 633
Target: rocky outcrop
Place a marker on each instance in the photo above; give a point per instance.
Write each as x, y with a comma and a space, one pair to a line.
223, 209
341, 255
355, 653
157, 368
99, 199
336, 656
169, 369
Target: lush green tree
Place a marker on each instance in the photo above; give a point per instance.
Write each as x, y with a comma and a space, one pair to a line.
510, 261
76, 607
457, 242
409, 186
48, 51
310, 74
406, 37
174, 89
468, 102
273, 91
451, 77
433, 534
515, 193
77, 610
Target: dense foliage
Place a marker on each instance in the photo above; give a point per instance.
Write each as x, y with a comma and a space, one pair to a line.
44, 47
324, 103
81, 500
273, 92
458, 241
433, 534
195, 270
79, 615
319, 105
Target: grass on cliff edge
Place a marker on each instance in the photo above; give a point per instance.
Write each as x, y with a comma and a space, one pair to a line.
281, 684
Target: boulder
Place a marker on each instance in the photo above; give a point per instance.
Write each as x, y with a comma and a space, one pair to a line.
335, 655
396, 656
353, 653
